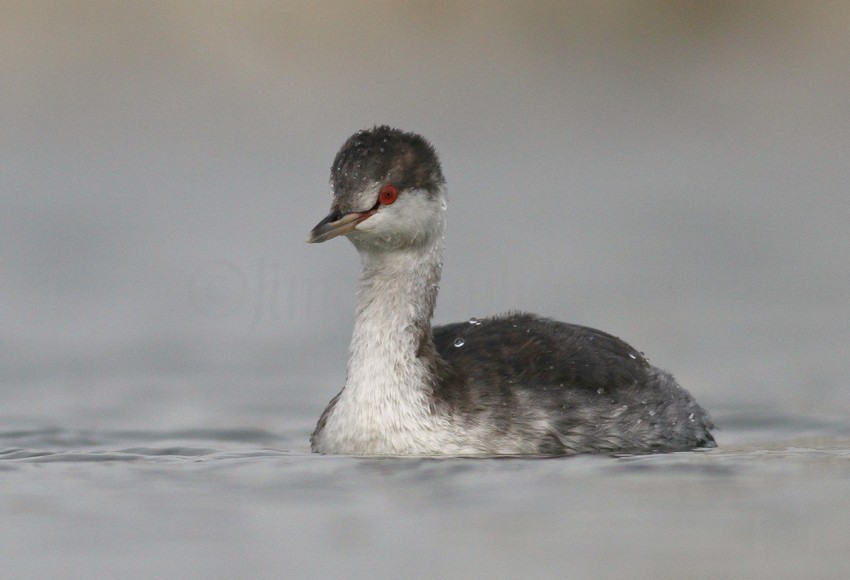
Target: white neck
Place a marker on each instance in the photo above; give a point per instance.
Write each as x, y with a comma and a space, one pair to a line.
386, 406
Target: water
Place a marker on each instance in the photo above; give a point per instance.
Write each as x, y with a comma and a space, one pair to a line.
136, 495
677, 177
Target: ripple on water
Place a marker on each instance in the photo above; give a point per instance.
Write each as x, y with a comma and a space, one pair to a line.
52, 445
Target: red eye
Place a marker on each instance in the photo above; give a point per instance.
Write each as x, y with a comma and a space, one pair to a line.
388, 194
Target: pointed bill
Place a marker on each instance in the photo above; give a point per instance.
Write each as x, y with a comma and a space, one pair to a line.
336, 225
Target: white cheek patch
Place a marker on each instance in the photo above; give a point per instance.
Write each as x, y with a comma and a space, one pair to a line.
415, 216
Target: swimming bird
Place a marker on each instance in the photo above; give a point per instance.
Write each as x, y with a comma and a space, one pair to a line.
516, 384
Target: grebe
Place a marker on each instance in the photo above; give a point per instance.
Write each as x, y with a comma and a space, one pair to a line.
506, 385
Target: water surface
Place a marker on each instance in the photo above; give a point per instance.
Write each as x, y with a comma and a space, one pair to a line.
770, 502
673, 173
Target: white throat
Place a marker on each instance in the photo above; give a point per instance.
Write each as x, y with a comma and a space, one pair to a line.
386, 406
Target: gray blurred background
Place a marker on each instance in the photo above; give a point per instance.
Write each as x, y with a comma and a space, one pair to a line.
675, 173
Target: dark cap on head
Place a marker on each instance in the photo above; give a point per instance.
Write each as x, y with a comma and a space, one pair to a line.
384, 154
